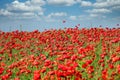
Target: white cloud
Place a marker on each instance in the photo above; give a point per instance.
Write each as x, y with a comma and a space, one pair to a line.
25, 6
73, 17
78, 1
5, 12
100, 0
20, 6
28, 14
93, 15
54, 17
28, 8
84, 17
79, 17
62, 2
106, 3
101, 7
57, 14
102, 10
86, 3
39, 2
100, 4
116, 8
69, 2
34, 8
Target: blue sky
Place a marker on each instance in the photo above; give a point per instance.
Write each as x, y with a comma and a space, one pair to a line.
47, 14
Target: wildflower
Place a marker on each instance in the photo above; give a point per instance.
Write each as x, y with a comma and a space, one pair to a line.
36, 75
1, 70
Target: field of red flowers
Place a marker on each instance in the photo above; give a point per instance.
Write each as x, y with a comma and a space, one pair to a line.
64, 54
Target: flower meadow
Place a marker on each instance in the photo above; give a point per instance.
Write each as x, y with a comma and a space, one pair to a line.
63, 54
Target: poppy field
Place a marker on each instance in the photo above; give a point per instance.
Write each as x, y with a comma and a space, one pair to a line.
63, 54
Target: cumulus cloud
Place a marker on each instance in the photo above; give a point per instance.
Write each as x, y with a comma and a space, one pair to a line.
73, 17
57, 14
86, 3
38, 2
54, 17
116, 8
34, 8
69, 2
23, 6
5, 12
61, 2
28, 8
102, 10
106, 3
101, 7
79, 17
93, 15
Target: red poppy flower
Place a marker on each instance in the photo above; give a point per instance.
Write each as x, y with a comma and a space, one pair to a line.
5, 77
36, 75
111, 66
118, 68
84, 65
104, 74
90, 69
1, 70
16, 79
